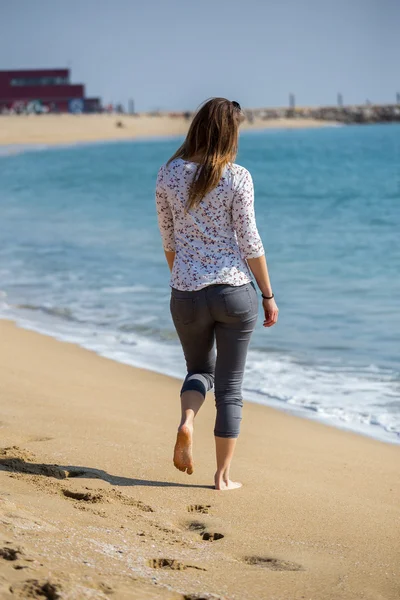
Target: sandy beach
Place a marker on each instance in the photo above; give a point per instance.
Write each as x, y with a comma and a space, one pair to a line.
67, 129
91, 506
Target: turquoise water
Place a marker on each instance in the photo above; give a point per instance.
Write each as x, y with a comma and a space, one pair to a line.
81, 259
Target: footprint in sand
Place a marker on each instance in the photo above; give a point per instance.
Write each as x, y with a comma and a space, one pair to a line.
32, 588
207, 536
170, 563
272, 564
84, 496
14, 555
10, 553
108, 496
40, 438
211, 537
199, 508
196, 526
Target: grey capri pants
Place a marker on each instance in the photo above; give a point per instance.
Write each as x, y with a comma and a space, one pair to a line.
226, 315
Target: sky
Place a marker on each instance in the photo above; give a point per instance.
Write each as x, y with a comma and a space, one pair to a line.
173, 54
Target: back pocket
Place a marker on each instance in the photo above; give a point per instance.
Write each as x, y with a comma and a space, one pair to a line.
183, 310
238, 302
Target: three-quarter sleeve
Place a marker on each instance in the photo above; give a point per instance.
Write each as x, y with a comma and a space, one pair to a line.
164, 215
244, 220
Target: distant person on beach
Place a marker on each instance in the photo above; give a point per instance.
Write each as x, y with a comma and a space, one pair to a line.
205, 207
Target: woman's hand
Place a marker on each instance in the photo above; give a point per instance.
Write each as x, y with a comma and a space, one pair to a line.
271, 312
258, 267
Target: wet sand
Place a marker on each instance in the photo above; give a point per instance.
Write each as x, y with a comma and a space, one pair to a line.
67, 129
92, 507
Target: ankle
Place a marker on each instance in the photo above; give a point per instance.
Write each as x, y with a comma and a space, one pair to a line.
187, 423
222, 475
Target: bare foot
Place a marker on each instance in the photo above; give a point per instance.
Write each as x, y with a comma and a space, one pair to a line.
223, 485
183, 459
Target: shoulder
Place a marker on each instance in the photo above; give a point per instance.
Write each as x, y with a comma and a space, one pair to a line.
240, 170
170, 168
161, 172
167, 166
241, 176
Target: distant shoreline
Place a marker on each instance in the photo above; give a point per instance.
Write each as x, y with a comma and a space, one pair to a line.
50, 130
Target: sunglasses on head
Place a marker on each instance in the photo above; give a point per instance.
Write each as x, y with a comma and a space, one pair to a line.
236, 105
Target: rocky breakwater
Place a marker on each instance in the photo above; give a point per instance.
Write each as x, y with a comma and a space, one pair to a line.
369, 113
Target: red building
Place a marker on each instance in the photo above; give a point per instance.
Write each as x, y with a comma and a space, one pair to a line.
44, 90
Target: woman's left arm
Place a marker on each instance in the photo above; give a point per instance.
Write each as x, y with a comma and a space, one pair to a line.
165, 220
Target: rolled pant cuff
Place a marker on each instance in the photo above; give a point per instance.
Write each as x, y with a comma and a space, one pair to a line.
195, 385
222, 434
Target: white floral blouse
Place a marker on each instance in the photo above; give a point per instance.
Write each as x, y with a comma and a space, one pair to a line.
212, 241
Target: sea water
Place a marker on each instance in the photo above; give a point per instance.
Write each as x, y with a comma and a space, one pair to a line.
81, 259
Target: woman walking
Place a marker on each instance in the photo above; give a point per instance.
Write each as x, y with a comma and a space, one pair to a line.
205, 207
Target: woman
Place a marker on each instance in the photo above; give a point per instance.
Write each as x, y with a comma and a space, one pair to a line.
205, 206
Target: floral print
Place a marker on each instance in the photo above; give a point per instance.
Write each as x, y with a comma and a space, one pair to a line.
212, 241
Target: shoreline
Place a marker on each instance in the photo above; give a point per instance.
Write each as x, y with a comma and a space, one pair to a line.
371, 431
68, 129
79, 426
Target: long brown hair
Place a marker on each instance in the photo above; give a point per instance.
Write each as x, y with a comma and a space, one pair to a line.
212, 140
